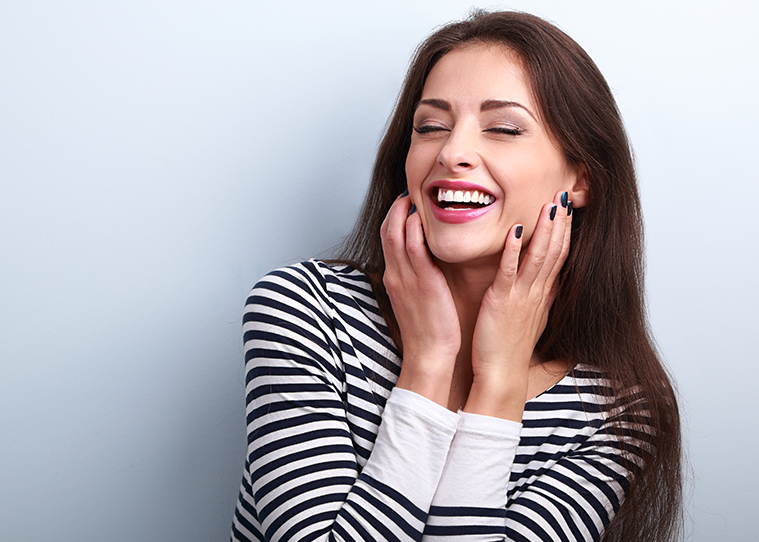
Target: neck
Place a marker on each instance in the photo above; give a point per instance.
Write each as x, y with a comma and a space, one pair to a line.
468, 283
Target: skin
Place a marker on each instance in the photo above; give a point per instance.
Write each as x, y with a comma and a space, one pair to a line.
472, 302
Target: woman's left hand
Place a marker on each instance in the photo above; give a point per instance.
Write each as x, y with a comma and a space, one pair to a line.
514, 313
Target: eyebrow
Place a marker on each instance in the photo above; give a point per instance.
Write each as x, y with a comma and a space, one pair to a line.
490, 105
487, 105
438, 104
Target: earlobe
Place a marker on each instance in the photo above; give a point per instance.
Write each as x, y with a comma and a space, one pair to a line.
579, 191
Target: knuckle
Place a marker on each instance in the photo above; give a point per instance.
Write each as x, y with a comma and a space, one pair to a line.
509, 271
393, 238
538, 260
415, 249
390, 281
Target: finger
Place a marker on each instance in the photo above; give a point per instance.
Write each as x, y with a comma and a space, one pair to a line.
535, 257
393, 231
560, 240
417, 251
394, 224
555, 253
567, 219
509, 266
385, 222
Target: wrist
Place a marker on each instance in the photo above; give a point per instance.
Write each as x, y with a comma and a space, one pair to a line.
430, 379
502, 396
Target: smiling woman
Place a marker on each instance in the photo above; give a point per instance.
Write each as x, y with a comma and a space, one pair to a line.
477, 366
477, 128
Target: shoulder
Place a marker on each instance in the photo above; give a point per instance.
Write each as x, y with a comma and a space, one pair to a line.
584, 385
314, 281
589, 395
318, 312
339, 295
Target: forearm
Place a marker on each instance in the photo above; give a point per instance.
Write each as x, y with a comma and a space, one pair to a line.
500, 394
470, 501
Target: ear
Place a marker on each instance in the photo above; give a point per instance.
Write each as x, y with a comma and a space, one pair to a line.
578, 194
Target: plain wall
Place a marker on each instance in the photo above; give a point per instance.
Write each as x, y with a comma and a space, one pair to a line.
156, 158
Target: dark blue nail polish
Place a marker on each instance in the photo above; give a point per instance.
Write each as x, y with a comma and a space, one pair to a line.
518, 232
569, 208
413, 209
405, 193
564, 199
553, 212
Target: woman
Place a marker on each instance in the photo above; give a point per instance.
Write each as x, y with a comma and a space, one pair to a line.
530, 403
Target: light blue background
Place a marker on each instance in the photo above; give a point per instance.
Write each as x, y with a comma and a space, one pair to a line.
156, 158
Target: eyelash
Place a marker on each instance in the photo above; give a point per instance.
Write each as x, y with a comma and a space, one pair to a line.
427, 129
507, 131
421, 130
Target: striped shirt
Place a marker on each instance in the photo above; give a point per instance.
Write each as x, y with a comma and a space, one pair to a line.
336, 453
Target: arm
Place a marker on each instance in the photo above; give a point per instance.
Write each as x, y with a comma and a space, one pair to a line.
470, 502
575, 494
512, 317
306, 479
568, 480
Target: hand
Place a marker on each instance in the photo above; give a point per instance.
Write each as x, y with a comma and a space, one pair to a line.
422, 303
514, 313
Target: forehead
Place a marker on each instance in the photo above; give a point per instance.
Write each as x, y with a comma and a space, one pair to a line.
480, 72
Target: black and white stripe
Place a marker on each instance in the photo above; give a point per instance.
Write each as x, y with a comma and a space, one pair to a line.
320, 369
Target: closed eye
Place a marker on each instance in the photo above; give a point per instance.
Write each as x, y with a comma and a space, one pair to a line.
505, 130
429, 128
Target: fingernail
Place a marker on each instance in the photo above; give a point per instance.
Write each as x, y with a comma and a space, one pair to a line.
553, 212
405, 193
518, 233
564, 198
413, 209
569, 208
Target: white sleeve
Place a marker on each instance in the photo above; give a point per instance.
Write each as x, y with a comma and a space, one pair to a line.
417, 432
470, 501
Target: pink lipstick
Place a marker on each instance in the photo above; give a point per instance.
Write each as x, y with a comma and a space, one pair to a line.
456, 202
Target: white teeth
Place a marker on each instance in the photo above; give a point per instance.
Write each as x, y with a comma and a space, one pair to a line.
464, 196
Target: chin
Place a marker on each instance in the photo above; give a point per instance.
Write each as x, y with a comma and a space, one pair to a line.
461, 253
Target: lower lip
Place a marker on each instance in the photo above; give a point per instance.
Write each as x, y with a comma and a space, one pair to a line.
458, 216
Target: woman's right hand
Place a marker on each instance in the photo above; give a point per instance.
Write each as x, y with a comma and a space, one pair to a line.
422, 303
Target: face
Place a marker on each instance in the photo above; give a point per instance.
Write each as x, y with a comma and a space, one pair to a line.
481, 159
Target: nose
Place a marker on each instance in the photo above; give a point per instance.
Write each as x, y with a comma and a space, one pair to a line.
459, 153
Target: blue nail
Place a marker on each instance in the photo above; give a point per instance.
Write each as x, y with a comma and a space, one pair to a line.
564, 199
569, 209
405, 193
413, 209
518, 233
553, 212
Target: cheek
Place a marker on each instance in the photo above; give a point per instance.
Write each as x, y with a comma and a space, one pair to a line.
420, 160
413, 165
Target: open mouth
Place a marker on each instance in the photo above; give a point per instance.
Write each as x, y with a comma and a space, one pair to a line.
462, 199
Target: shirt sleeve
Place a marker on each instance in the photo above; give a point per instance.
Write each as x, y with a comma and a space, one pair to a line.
575, 498
470, 501
305, 482
572, 499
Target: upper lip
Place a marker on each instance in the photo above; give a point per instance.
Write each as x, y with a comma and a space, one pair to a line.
456, 185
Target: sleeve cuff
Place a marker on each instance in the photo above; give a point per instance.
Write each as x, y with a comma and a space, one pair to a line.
429, 410
488, 426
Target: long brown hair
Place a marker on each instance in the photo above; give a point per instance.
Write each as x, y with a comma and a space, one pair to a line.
599, 317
